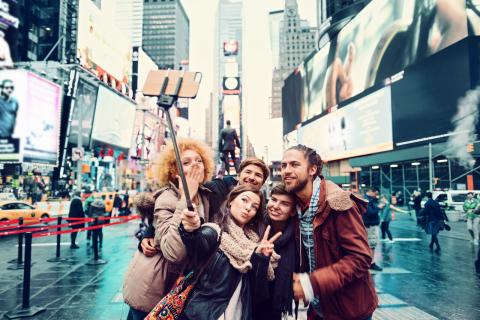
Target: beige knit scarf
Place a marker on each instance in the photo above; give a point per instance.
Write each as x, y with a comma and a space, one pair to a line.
239, 244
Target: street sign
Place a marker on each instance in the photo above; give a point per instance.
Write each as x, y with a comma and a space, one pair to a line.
77, 154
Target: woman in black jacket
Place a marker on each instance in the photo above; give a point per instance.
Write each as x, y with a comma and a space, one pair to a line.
238, 261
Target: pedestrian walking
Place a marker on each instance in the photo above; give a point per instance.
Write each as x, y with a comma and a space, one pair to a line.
417, 206
386, 217
227, 142
75, 211
162, 258
371, 220
435, 221
280, 216
471, 206
235, 277
334, 251
117, 204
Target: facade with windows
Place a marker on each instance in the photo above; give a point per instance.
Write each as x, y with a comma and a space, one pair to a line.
166, 32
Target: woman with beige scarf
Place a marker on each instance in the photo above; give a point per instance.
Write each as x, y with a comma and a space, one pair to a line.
239, 262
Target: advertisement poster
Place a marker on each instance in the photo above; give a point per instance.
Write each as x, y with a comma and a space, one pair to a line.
101, 45
9, 24
30, 111
85, 100
382, 40
114, 119
152, 131
360, 128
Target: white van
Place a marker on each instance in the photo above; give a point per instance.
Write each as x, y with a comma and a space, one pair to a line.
453, 198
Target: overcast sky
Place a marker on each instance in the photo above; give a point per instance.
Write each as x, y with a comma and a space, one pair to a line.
257, 69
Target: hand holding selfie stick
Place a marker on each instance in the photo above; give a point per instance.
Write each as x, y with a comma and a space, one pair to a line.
166, 100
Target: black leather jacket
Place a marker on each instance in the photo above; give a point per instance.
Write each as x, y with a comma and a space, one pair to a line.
210, 297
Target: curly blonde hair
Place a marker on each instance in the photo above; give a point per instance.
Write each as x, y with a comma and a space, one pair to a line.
166, 166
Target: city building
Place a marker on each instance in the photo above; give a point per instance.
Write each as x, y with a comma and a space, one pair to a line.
275, 19
297, 39
227, 97
166, 32
47, 30
129, 19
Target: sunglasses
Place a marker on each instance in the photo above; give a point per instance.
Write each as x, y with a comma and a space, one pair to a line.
9, 88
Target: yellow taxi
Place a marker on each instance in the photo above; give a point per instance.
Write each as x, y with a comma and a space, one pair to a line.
11, 210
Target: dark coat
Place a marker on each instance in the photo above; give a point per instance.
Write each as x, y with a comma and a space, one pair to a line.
434, 216
371, 217
76, 211
228, 139
341, 279
213, 291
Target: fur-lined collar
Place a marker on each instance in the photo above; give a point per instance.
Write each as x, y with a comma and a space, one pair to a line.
337, 198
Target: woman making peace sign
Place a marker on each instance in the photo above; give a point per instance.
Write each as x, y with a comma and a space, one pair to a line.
238, 270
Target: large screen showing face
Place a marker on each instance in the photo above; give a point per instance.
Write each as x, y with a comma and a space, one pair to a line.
30, 112
382, 40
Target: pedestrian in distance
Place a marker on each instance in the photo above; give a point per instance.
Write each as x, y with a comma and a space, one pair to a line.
471, 206
162, 255
435, 221
371, 220
117, 204
387, 217
97, 210
280, 215
75, 211
241, 262
227, 142
334, 252
417, 206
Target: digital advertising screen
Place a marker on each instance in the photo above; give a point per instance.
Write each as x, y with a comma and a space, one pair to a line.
153, 135
100, 44
362, 127
30, 109
114, 119
383, 39
9, 24
84, 108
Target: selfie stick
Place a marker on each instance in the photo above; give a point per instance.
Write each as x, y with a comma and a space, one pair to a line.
166, 102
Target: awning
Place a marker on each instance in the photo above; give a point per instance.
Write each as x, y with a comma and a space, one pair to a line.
414, 153
338, 179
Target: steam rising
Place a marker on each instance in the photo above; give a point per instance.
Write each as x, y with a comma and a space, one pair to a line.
465, 122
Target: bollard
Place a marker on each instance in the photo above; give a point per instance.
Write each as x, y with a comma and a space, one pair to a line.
26, 310
96, 260
57, 252
18, 261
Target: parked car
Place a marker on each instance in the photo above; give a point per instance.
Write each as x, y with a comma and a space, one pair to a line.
11, 210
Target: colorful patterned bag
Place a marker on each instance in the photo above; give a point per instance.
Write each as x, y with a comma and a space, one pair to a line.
171, 306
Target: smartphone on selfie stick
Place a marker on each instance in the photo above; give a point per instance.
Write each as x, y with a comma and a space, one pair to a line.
168, 86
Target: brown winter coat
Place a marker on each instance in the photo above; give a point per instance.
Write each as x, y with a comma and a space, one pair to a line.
342, 280
148, 279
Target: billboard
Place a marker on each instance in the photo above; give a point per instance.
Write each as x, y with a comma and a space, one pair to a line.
368, 49
101, 46
230, 48
231, 85
30, 111
84, 107
114, 119
360, 128
153, 135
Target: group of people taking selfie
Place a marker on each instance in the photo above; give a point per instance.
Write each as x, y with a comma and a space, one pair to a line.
234, 256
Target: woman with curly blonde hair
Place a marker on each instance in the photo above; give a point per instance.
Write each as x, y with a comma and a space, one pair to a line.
152, 273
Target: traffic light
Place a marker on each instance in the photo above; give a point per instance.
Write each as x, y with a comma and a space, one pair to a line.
470, 148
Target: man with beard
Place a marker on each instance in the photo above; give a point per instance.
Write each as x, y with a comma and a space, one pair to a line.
8, 109
335, 256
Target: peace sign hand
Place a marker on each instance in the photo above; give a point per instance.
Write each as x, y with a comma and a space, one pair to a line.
266, 245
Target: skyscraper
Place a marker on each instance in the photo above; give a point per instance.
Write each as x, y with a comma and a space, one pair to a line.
166, 32
297, 39
129, 19
227, 99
